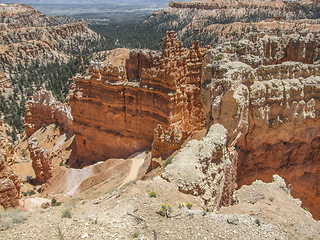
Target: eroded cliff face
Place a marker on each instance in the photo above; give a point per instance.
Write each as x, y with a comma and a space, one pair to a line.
41, 161
200, 168
43, 109
265, 95
10, 184
140, 59
5, 81
215, 22
114, 117
28, 35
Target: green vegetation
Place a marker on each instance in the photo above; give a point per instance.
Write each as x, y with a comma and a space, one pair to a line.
29, 192
135, 235
167, 162
10, 217
66, 214
60, 234
189, 205
165, 210
152, 194
54, 76
54, 202
145, 34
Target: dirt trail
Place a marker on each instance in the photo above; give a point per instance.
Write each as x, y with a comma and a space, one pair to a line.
136, 163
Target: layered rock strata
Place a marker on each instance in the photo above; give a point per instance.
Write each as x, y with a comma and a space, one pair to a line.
10, 185
213, 22
141, 59
43, 109
41, 161
115, 118
285, 6
200, 167
7, 149
5, 82
266, 96
27, 35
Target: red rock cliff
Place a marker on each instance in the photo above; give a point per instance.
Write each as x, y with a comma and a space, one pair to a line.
42, 108
41, 161
140, 59
115, 118
10, 184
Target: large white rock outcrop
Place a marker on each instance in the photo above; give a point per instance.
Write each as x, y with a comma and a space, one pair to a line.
199, 168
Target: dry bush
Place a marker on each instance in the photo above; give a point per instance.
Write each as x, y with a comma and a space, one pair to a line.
10, 217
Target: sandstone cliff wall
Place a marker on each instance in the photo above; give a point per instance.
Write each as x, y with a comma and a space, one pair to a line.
271, 111
41, 161
10, 185
285, 6
141, 59
213, 22
42, 108
115, 118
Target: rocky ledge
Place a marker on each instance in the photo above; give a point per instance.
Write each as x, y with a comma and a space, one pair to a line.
266, 96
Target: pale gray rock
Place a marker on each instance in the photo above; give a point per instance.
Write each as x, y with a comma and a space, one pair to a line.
199, 168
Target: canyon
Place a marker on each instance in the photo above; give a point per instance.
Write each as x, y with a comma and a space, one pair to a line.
265, 95
262, 93
28, 36
200, 121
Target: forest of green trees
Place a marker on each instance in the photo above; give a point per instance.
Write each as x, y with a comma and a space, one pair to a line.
55, 76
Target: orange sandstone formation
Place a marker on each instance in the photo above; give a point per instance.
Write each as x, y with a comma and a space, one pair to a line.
114, 117
42, 108
10, 184
41, 161
141, 59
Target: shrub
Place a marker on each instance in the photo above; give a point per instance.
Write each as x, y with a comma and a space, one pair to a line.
66, 214
31, 192
181, 205
54, 202
17, 217
167, 162
28, 179
152, 194
189, 205
218, 58
164, 209
135, 235
10, 217
59, 232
